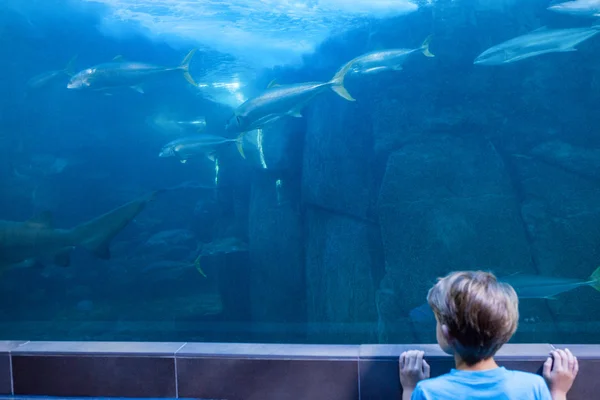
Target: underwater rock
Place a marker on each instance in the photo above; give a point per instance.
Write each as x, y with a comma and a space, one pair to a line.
339, 274
562, 215
276, 278
337, 167
445, 204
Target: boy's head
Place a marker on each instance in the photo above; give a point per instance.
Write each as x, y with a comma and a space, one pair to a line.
476, 314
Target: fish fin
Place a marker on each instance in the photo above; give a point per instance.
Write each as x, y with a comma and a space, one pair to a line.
69, 68
425, 47
397, 68
273, 83
541, 28
137, 89
119, 58
211, 156
96, 234
185, 66
44, 219
239, 142
198, 267
183, 161
568, 49
596, 279
63, 258
337, 83
551, 298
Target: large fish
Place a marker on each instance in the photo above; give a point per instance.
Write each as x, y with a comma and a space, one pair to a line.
122, 73
540, 41
281, 100
580, 8
36, 239
199, 145
387, 60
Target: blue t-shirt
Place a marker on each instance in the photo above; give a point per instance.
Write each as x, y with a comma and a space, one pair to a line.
494, 384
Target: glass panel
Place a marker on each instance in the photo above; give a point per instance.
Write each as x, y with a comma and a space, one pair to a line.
276, 171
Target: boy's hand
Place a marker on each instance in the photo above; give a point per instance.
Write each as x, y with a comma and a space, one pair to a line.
412, 369
561, 375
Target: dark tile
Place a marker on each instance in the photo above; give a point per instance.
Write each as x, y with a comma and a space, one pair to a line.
102, 348
271, 351
380, 379
5, 376
71, 375
267, 379
587, 384
530, 365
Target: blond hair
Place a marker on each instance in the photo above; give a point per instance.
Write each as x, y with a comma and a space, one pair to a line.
481, 313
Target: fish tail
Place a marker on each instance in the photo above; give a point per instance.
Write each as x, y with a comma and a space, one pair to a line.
185, 66
198, 267
239, 142
595, 278
337, 83
69, 68
425, 47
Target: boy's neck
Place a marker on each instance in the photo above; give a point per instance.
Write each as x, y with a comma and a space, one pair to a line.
480, 366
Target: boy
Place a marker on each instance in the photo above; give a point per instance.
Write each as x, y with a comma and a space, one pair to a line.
475, 316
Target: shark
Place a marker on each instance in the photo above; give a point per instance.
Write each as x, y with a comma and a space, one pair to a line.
38, 240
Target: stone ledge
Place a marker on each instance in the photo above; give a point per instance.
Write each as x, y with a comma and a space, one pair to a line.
242, 370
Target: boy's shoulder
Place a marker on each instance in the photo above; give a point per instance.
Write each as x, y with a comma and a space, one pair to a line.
525, 383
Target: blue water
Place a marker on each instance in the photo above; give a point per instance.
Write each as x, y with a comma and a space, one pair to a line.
335, 224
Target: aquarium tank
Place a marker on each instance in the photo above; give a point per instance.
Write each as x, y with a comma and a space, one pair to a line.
295, 171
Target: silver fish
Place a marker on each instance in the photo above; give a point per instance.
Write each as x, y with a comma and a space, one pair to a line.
174, 127
37, 239
540, 41
199, 124
386, 60
200, 145
580, 8
281, 100
122, 73
46, 77
546, 287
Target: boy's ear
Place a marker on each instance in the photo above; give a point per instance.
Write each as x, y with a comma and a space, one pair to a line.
446, 332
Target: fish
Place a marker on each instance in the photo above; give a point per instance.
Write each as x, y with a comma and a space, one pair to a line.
122, 73
46, 77
199, 124
537, 42
37, 239
174, 127
278, 101
387, 60
205, 145
226, 245
546, 287
580, 8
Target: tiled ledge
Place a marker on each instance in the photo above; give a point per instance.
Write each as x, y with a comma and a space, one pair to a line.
240, 371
